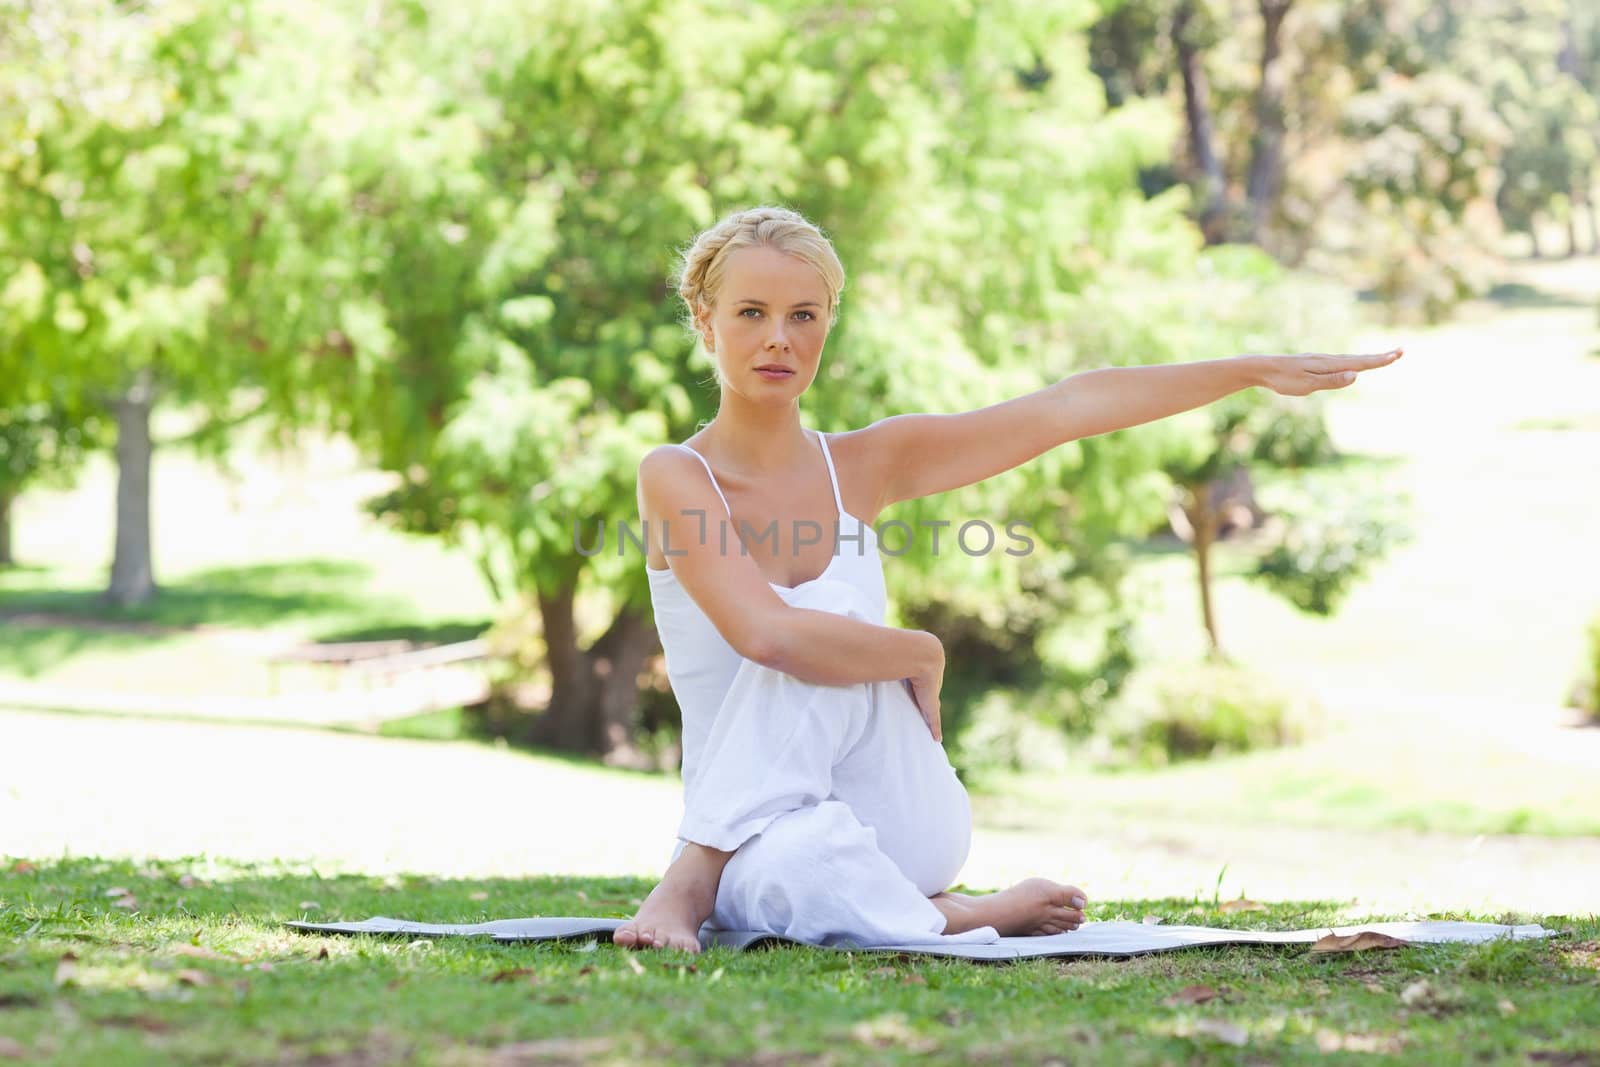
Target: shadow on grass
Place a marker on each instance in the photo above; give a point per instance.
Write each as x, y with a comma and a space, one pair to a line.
439, 633
43, 626
223, 596
1522, 295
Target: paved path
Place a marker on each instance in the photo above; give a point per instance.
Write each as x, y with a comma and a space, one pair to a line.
125, 787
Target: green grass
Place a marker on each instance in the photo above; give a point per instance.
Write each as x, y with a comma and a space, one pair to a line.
203, 972
1336, 781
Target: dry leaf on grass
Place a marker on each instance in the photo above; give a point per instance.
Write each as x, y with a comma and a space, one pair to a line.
23, 867
11, 1049
67, 969
550, 1050
478, 895
188, 976
118, 891
1192, 994
1357, 942
1225, 1032
638, 968
1242, 905
515, 972
1329, 1041
1151, 920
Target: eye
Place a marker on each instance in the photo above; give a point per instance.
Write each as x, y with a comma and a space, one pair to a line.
743, 310
809, 316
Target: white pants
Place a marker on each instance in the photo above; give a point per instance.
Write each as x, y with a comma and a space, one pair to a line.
843, 813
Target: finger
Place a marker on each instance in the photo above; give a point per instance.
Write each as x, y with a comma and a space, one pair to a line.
1340, 364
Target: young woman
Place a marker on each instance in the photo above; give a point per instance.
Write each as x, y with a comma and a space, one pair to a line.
818, 801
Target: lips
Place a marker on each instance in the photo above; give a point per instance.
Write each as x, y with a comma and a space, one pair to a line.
772, 367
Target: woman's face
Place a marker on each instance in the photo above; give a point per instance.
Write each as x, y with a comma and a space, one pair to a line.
772, 311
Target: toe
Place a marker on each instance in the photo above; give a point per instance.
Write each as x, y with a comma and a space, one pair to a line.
626, 936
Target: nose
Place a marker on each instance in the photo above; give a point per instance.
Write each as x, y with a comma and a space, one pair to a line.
777, 339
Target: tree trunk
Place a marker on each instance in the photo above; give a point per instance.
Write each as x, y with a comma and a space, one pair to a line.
1266, 146
1572, 226
6, 558
1203, 519
1202, 144
1533, 235
594, 692
132, 576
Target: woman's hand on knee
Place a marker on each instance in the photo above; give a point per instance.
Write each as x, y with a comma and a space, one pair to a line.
924, 686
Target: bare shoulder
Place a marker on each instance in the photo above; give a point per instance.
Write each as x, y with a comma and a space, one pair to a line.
864, 460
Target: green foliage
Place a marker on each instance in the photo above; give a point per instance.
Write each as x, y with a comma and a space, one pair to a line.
1331, 538
1586, 690
1181, 711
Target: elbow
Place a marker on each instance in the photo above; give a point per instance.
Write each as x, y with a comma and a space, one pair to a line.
764, 649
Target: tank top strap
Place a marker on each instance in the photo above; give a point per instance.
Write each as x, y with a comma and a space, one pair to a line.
713, 477
832, 474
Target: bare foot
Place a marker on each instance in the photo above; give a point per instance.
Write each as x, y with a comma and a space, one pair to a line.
1031, 907
672, 914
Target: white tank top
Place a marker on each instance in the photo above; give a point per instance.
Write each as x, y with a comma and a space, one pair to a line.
701, 663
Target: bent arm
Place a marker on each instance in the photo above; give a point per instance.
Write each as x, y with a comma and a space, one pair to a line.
819, 647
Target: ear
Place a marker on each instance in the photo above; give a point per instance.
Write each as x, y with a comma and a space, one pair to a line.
702, 323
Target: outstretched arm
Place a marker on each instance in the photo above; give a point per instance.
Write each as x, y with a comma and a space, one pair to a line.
924, 454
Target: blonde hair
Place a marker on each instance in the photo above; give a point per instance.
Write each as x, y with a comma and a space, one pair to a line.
699, 277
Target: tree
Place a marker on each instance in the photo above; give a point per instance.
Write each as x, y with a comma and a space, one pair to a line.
118, 220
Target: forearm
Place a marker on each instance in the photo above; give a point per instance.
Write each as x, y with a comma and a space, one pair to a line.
824, 648
1114, 398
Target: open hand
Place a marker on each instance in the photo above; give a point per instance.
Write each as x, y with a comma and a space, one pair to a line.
1309, 373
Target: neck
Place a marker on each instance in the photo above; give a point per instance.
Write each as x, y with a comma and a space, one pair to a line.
752, 440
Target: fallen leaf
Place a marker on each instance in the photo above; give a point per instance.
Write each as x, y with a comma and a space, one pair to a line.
1242, 905
23, 867
557, 1049
187, 881
1151, 920
420, 942
1357, 942
882, 972
1506, 1007
583, 896
67, 969
1424, 995
127, 902
1329, 1041
188, 976
1373, 987
11, 1049
1192, 994
478, 895
1225, 1032
638, 968
117, 891
913, 979
322, 954
888, 1030
587, 946
310, 905
515, 972
396, 984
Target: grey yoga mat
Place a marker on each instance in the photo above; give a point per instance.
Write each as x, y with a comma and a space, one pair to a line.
1091, 939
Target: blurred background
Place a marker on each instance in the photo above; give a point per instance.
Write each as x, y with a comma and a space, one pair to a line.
332, 333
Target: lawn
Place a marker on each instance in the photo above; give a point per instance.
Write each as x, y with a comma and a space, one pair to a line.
184, 962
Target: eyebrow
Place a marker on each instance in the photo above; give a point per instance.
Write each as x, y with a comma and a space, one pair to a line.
763, 303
